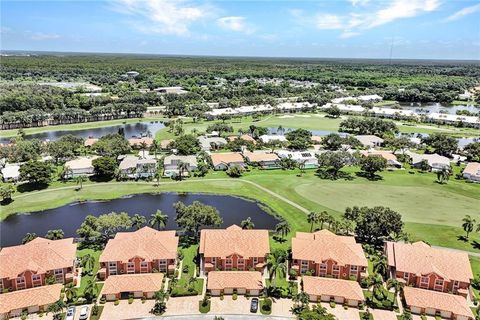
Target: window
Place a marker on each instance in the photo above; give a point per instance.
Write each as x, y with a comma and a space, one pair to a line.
228, 264
162, 265
214, 261
353, 268
304, 266
255, 260
20, 282
1, 284
58, 275
424, 282
406, 276
240, 263
456, 284
143, 266
112, 267
130, 267
323, 266
336, 269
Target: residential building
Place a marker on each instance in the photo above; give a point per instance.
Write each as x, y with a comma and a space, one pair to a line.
79, 167
326, 254
11, 172
244, 137
165, 144
89, 142
128, 166
387, 155
326, 289
211, 143
134, 168
472, 172
306, 157
12, 304
223, 161
137, 142
241, 282
267, 138
419, 265
171, 90
32, 264
370, 141
431, 303
170, 165
143, 251
262, 159
435, 162
139, 285
233, 248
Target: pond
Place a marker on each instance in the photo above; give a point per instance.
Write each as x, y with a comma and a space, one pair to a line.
321, 133
130, 130
70, 217
423, 108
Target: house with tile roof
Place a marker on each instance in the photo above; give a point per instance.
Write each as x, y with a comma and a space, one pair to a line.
139, 285
30, 265
233, 248
326, 254
12, 304
143, 251
81, 166
387, 155
244, 137
262, 159
225, 160
321, 289
241, 282
419, 265
472, 172
171, 162
431, 303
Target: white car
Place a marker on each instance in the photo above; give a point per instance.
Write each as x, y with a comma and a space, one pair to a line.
83, 313
70, 314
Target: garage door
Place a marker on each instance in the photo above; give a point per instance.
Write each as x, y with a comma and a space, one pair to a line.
150, 294
138, 294
430, 311
241, 291
16, 313
255, 292
339, 299
416, 310
352, 303
33, 309
111, 297
325, 298
446, 314
312, 297
228, 291
215, 292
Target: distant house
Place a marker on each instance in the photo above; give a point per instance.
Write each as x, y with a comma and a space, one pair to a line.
307, 157
170, 165
233, 248
79, 167
165, 144
244, 137
472, 172
138, 285
267, 138
128, 166
11, 173
132, 74
264, 160
326, 289
173, 90
435, 162
228, 282
387, 155
141, 251
431, 303
211, 143
370, 141
325, 254
223, 161
29, 265
419, 265
89, 142
146, 168
137, 142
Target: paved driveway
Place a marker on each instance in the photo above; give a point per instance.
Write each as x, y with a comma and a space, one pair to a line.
341, 313
127, 311
182, 305
383, 314
230, 306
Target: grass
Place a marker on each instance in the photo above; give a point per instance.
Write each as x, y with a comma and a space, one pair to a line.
90, 274
202, 308
475, 263
189, 259
97, 317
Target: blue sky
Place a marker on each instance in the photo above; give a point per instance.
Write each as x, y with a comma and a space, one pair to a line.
427, 29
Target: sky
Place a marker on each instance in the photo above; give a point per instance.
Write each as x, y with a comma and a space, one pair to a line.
398, 29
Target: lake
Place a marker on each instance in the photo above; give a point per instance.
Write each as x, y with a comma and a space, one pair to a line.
70, 217
130, 130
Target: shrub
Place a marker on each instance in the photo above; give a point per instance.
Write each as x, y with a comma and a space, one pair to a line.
266, 306
103, 300
117, 302
204, 305
130, 300
234, 296
185, 268
332, 304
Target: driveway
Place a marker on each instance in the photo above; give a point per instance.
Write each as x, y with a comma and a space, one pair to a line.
127, 311
182, 305
230, 306
342, 314
383, 314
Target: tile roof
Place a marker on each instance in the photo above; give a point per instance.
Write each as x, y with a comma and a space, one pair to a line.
368, 139
387, 155
89, 142
227, 157
415, 297
144, 282
128, 162
80, 163
245, 137
333, 287
225, 242
260, 156
473, 168
324, 245
146, 243
137, 141
218, 280
21, 299
39, 255
164, 143
421, 259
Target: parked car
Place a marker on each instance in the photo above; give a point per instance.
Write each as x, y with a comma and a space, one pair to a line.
254, 305
84, 313
70, 313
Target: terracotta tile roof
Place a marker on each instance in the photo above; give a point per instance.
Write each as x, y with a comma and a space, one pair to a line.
333, 287
21, 299
415, 297
227, 157
317, 139
144, 282
39, 255
89, 142
218, 280
164, 143
245, 137
421, 259
472, 168
138, 141
260, 156
225, 242
324, 245
146, 243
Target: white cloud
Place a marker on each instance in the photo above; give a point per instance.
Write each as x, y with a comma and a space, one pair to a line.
463, 12
235, 23
164, 16
348, 34
328, 21
40, 36
359, 2
400, 9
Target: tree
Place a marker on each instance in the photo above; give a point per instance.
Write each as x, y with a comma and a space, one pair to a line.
104, 167
423, 165
247, 224
380, 266
283, 228
378, 224
29, 237
316, 313
55, 234
373, 126
468, 224
186, 145
88, 261
444, 174
193, 216
324, 217
64, 148
300, 300
70, 292
158, 219
56, 309
395, 284
36, 172
400, 143
182, 167
80, 180
276, 265
299, 139
90, 291
160, 306
472, 151
234, 171
312, 218
6, 192
441, 143
143, 146
333, 111
332, 141
155, 147
138, 221
332, 162
372, 164
112, 145
104, 226
286, 163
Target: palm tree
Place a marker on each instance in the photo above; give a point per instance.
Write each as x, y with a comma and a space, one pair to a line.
444, 174
182, 167
159, 219
70, 292
56, 234
301, 299
312, 218
88, 261
143, 147
395, 284
280, 129
138, 221
468, 224
56, 308
376, 282
380, 266
29, 237
90, 290
247, 224
324, 217
191, 281
276, 265
301, 166
334, 225
283, 228
79, 180
155, 147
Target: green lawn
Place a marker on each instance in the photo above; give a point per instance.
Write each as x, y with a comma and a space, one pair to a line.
86, 278
189, 255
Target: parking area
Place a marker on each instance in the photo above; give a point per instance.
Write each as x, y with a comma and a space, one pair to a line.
182, 306
127, 311
341, 313
383, 314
